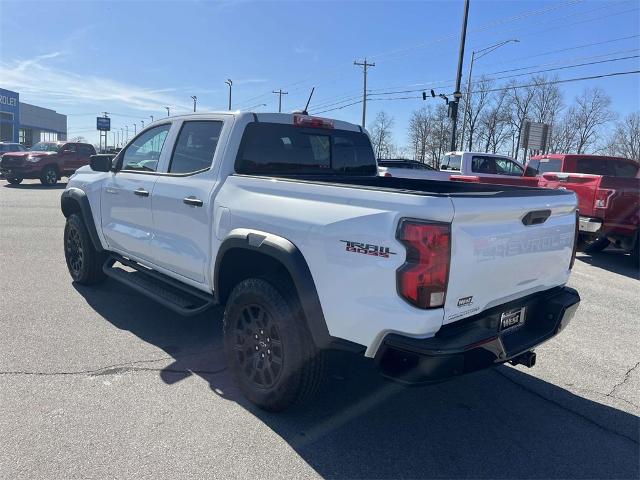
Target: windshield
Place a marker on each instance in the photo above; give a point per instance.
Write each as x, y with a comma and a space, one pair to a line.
45, 147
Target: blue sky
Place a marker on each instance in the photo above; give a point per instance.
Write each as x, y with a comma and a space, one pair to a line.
133, 58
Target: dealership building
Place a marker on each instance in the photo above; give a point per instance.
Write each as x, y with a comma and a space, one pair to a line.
28, 124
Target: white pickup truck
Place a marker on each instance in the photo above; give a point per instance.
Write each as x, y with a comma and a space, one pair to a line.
484, 166
283, 219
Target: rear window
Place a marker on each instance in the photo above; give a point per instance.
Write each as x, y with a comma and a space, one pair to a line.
451, 162
280, 149
538, 167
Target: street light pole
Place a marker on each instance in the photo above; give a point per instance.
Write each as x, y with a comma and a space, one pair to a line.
151, 118
195, 99
474, 56
142, 123
134, 129
230, 83
167, 111
457, 94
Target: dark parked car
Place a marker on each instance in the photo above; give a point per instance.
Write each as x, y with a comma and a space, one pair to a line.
48, 161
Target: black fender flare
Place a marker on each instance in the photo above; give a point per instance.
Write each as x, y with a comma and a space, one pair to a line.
287, 254
75, 200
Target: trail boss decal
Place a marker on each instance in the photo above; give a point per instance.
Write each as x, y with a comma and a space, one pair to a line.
367, 249
465, 301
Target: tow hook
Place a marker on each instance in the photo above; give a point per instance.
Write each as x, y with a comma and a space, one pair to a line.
528, 359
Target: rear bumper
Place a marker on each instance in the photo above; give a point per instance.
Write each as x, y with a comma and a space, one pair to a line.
589, 225
477, 342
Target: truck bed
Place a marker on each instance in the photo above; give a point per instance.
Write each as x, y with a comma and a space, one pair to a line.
423, 187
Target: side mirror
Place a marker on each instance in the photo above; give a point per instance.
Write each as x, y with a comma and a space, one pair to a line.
443, 167
100, 162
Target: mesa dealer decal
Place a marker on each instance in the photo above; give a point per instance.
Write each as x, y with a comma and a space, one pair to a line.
367, 249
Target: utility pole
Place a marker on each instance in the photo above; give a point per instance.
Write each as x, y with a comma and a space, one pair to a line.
195, 99
134, 129
365, 65
230, 83
280, 93
457, 94
167, 111
126, 129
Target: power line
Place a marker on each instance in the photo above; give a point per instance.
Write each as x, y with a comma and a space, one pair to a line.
510, 87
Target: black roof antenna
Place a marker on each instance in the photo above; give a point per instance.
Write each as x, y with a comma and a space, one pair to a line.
304, 112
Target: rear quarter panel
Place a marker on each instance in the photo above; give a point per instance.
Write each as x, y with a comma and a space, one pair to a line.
357, 290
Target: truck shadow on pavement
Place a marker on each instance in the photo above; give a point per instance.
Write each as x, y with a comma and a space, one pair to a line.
36, 186
615, 261
500, 423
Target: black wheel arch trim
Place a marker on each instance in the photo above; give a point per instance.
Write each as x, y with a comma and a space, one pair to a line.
72, 197
287, 254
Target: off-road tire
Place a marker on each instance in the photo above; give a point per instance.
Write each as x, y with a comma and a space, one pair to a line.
83, 260
49, 176
257, 316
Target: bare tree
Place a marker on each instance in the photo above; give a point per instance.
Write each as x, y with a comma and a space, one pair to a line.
625, 141
420, 131
494, 122
381, 135
521, 101
438, 143
479, 100
547, 100
592, 111
78, 139
563, 135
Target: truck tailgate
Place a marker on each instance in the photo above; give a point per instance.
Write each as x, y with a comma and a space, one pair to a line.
505, 248
584, 185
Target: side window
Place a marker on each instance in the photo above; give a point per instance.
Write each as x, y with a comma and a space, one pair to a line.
625, 169
594, 166
195, 147
507, 167
86, 150
144, 152
69, 147
485, 165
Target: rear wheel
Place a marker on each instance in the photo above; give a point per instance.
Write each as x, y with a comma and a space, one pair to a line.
83, 260
14, 180
595, 244
269, 348
49, 176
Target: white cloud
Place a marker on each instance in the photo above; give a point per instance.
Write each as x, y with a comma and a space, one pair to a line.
52, 86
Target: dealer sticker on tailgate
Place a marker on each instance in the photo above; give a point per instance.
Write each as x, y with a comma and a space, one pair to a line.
512, 320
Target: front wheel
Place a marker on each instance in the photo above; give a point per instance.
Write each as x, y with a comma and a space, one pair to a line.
14, 180
83, 260
268, 346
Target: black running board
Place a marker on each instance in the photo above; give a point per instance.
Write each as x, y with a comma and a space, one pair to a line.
182, 299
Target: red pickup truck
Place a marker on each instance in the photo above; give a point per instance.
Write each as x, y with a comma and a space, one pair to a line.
48, 161
608, 190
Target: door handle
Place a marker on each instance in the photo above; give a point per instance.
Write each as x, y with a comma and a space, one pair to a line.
141, 192
193, 201
111, 190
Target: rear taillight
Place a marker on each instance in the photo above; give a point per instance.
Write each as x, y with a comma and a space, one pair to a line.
602, 197
575, 240
422, 279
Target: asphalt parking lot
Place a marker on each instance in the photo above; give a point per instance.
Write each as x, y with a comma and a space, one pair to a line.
101, 383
